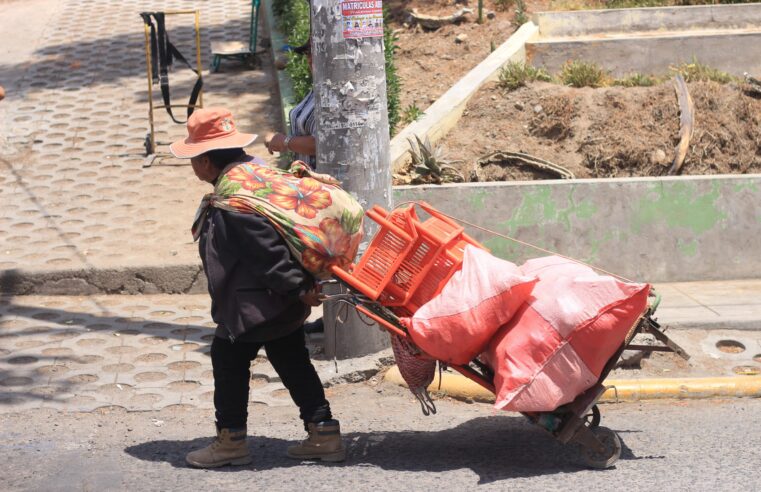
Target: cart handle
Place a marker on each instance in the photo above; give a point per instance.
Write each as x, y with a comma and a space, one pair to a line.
656, 302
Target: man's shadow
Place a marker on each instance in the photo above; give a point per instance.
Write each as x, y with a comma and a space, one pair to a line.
495, 448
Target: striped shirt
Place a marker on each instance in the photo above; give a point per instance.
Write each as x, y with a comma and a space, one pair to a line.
303, 123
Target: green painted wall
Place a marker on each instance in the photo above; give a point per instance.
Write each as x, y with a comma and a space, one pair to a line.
659, 229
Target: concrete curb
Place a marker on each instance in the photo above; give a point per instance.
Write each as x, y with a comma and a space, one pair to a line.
170, 279
460, 387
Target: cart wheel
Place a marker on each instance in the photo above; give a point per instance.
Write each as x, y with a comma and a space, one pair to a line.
612, 452
593, 419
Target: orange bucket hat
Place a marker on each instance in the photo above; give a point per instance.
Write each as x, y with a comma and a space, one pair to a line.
210, 129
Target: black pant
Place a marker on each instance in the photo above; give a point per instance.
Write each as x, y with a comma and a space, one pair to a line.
290, 358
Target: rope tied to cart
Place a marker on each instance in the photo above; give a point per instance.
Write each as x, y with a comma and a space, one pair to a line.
523, 243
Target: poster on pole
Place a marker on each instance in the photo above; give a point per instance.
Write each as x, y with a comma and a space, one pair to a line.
362, 19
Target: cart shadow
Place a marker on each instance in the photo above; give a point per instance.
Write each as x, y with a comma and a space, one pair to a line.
494, 448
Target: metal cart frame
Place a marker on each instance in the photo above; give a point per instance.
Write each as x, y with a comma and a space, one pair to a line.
238, 50
150, 139
576, 422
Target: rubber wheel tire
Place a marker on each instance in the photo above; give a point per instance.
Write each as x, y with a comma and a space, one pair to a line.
612, 452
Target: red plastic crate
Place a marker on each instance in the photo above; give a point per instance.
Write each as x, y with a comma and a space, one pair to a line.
406, 278
387, 250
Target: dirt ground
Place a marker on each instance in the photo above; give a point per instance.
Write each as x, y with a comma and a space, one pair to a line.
607, 132
430, 62
594, 133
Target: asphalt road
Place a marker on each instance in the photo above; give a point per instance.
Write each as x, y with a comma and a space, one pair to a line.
699, 445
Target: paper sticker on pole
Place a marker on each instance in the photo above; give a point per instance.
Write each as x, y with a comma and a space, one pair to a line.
362, 19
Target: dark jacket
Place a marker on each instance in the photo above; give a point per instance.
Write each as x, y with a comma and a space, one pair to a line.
254, 281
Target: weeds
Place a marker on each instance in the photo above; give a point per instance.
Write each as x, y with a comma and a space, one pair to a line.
620, 4
583, 74
503, 4
518, 74
411, 113
576, 4
637, 80
579, 73
294, 22
697, 72
393, 83
626, 4
429, 165
521, 16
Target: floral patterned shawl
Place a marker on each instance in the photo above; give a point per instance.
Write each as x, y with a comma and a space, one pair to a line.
320, 222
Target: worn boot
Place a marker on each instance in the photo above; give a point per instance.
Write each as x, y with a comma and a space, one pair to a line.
229, 448
324, 443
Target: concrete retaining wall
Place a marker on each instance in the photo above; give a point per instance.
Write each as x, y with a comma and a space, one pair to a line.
703, 17
624, 55
652, 229
651, 40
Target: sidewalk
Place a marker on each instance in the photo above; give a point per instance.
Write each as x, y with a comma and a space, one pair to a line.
138, 352
732, 305
79, 209
149, 352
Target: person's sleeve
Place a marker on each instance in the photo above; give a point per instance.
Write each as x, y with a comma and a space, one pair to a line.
311, 124
265, 254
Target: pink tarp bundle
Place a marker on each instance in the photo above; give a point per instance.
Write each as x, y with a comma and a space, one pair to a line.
458, 324
559, 341
547, 328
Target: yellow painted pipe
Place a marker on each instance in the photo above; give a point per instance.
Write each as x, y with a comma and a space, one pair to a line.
682, 388
458, 386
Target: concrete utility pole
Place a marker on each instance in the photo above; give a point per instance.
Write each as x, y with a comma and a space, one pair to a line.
352, 134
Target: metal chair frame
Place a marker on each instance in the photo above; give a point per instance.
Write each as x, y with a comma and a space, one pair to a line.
235, 50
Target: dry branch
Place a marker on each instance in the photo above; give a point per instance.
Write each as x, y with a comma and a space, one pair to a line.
686, 123
434, 22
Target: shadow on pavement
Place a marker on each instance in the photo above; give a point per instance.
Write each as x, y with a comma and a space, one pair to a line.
494, 448
80, 63
72, 323
23, 365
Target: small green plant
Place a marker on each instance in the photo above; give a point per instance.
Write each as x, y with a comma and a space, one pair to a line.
429, 166
576, 4
294, 22
698, 72
411, 113
636, 80
625, 4
518, 74
393, 84
298, 70
583, 74
630, 4
521, 16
